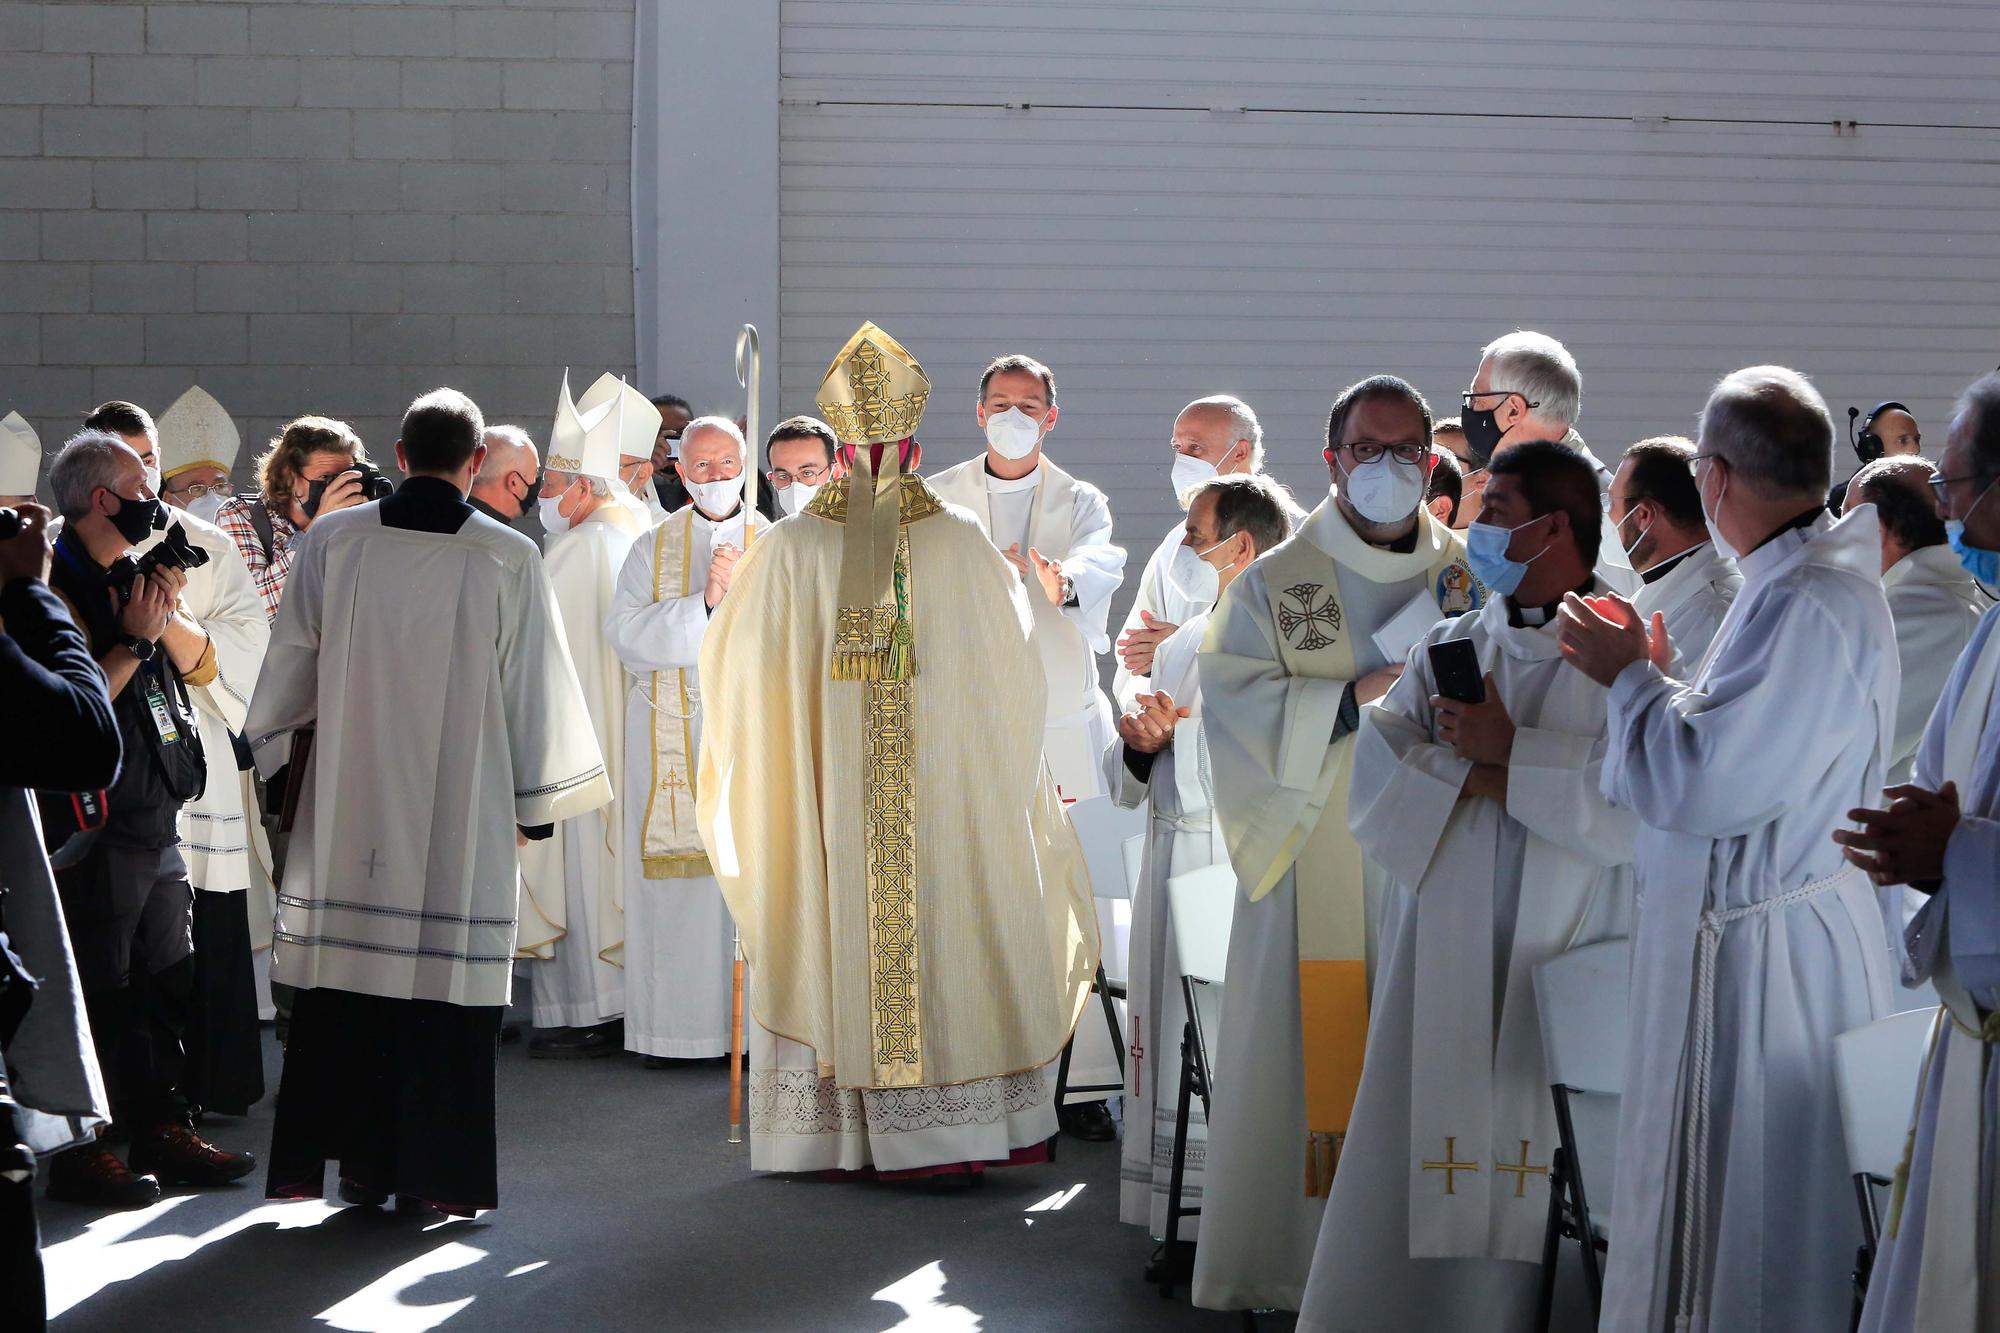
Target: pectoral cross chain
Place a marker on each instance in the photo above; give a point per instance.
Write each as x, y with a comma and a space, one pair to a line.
1451, 1166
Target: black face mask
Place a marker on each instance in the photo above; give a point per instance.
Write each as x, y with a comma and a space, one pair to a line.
1482, 432
136, 518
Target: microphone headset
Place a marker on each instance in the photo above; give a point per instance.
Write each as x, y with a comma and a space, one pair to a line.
1868, 446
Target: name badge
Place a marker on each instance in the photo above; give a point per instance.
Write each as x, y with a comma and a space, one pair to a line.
163, 718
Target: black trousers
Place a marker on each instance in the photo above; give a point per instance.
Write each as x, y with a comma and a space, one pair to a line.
225, 1054
130, 916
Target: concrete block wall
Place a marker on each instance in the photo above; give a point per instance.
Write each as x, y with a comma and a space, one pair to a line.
312, 207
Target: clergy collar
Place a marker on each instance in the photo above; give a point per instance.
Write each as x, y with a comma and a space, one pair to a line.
1804, 520
701, 515
1667, 566
1534, 617
1781, 545
1004, 486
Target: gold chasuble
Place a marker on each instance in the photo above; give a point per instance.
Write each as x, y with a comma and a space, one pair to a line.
1306, 830
670, 840
872, 791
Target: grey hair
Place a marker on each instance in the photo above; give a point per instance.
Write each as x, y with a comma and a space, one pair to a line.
599, 487
721, 423
1243, 423
1541, 370
496, 461
1899, 487
88, 460
1254, 504
1773, 428
1982, 399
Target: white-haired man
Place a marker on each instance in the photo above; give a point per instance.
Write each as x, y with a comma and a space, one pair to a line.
572, 916
1528, 387
679, 941
1216, 436
504, 490
1755, 943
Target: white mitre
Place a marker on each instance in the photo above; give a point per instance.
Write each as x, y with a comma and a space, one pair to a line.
197, 432
20, 455
635, 422
584, 439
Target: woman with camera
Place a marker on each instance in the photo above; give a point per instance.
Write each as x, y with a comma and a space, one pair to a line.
315, 466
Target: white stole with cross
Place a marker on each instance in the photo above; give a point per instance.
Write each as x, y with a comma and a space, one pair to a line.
1481, 1121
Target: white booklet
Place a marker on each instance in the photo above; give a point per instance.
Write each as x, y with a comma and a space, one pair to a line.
1402, 630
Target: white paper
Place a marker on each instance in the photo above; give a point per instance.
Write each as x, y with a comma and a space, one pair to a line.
1403, 629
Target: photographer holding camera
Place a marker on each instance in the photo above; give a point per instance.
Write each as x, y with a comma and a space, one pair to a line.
122, 881
315, 466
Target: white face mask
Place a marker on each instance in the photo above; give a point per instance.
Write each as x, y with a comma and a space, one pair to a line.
797, 496
1722, 546
549, 509
206, 506
1013, 433
716, 498
1190, 472
1384, 491
1194, 578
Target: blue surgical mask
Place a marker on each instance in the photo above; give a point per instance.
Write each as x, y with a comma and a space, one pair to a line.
1486, 551
1982, 564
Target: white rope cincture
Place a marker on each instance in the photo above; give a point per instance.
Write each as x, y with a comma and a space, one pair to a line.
1694, 1177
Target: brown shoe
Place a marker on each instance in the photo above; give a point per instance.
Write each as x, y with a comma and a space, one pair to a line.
178, 1155
93, 1174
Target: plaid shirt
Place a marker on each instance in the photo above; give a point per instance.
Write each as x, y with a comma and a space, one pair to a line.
269, 573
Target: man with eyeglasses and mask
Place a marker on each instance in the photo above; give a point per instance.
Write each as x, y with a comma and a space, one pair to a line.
804, 457
1160, 760
1216, 436
123, 881
1940, 835
1305, 638
509, 479
679, 939
1656, 512
1528, 387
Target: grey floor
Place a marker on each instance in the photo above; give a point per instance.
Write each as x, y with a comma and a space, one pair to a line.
623, 1208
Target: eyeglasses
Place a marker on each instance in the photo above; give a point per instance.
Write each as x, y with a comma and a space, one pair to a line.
1694, 462
1939, 485
1465, 399
1371, 451
807, 476
198, 489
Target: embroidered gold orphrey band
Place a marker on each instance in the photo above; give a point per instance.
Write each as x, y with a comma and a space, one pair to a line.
890, 810
670, 842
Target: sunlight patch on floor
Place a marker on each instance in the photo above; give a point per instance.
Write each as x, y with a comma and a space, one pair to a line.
106, 1251
920, 1297
379, 1307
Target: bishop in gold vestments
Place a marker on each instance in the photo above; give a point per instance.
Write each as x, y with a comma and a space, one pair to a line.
912, 901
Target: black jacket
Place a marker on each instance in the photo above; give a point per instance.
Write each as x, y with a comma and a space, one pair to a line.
61, 734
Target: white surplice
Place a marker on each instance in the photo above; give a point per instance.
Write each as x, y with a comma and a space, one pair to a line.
1694, 596
1067, 520
1939, 1266
1480, 894
679, 940
1739, 778
433, 669
1182, 837
572, 913
1258, 1225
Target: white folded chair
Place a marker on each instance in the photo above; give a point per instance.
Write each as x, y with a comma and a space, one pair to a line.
1877, 1066
1107, 831
1581, 997
1202, 904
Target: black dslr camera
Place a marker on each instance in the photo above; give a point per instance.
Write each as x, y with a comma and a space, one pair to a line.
10, 523
374, 486
174, 551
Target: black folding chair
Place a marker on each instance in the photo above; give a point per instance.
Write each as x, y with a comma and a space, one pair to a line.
1108, 994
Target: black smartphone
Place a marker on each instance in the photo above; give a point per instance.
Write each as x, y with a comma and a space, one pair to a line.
1455, 668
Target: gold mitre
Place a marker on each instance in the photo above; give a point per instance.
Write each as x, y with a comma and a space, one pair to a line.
874, 392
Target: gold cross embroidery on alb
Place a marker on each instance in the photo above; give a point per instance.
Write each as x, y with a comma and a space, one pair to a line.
1522, 1170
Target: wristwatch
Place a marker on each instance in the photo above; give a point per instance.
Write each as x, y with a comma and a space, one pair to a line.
141, 648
